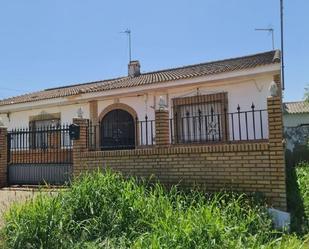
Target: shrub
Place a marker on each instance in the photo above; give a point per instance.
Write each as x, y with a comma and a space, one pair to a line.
109, 211
298, 197
302, 172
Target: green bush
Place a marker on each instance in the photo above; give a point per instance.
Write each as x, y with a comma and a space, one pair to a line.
302, 172
109, 211
298, 197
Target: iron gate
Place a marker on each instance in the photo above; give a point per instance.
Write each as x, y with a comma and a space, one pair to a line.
117, 130
39, 155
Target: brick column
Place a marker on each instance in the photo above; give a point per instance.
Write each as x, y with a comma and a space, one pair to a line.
79, 145
3, 156
276, 152
162, 127
93, 110
94, 118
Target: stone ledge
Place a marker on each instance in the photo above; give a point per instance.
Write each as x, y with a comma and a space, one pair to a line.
182, 149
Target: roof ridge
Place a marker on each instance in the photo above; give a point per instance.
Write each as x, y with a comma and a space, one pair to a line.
297, 101
165, 70
86, 83
214, 61
159, 76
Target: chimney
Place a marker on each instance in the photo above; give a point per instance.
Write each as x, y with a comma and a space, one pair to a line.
134, 69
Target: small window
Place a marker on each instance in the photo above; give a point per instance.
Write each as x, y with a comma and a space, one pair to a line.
44, 134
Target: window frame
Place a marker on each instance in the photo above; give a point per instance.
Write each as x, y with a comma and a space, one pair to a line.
33, 138
218, 98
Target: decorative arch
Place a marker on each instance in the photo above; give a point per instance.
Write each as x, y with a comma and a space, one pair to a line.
121, 106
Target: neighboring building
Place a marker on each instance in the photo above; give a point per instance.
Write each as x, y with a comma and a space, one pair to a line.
296, 130
217, 125
295, 113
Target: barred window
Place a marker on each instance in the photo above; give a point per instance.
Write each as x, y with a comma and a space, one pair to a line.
44, 134
200, 118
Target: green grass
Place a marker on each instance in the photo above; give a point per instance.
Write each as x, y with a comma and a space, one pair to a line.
109, 211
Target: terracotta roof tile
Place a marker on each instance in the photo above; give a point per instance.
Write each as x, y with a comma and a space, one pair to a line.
296, 107
185, 72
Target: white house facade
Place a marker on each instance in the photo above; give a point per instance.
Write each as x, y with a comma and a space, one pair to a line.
244, 82
217, 125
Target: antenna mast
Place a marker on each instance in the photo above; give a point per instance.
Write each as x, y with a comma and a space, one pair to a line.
128, 32
271, 31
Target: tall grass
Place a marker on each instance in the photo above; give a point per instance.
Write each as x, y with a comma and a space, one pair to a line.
109, 211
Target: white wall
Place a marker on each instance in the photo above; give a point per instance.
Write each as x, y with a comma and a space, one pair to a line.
242, 92
292, 120
21, 119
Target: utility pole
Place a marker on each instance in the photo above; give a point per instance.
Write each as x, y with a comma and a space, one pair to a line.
282, 44
271, 31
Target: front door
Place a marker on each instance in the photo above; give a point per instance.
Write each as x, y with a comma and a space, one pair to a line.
117, 131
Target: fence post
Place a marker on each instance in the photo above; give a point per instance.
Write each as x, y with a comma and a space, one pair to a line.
79, 145
162, 127
3, 155
276, 147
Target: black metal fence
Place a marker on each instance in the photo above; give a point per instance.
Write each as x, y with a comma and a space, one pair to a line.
218, 125
46, 144
210, 123
122, 134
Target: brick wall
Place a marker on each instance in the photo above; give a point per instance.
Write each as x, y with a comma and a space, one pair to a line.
248, 167
244, 167
41, 156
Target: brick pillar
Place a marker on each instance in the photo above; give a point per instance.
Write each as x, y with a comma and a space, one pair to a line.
79, 145
3, 156
276, 148
162, 127
94, 118
93, 110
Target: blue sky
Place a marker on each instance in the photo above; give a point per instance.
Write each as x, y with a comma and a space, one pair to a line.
52, 43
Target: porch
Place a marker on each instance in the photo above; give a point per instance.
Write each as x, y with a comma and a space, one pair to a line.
192, 125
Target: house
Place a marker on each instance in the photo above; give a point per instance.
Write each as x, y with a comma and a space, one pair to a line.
296, 131
295, 113
214, 124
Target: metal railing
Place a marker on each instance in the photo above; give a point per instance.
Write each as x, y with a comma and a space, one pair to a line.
127, 134
212, 124
219, 126
46, 144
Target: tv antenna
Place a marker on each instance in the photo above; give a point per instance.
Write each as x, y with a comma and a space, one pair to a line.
128, 33
270, 31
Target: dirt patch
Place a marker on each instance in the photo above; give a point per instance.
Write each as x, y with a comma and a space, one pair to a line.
8, 196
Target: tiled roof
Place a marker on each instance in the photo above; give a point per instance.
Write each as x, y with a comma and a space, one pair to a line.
296, 107
203, 69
